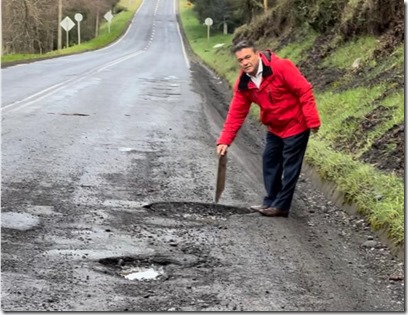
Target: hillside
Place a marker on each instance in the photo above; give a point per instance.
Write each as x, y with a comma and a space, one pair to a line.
353, 54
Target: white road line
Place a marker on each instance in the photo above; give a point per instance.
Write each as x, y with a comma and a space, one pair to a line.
115, 62
54, 88
42, 94
181, 38
37, 94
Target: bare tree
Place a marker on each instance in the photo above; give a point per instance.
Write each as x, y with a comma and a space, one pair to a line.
29, 26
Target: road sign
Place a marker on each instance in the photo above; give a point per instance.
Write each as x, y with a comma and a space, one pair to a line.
67, 23
78, 17
108, 16
208, 21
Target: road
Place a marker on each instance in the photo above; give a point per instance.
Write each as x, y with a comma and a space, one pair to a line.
108, 174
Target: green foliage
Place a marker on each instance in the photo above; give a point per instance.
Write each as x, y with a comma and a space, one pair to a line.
393, 63
204, 47
295, 49
336, 109
323, 15
395, 103
362, 17
345, 18
344, 56
232, 12
119, 8
378, 196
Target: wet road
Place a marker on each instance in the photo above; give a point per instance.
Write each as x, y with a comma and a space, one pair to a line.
108, 174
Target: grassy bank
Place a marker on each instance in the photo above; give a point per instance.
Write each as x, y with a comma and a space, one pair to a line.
119, 24
345, 106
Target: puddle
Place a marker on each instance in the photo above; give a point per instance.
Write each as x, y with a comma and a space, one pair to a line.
158, 266
148, 267
18, 221
140, 273
126, 149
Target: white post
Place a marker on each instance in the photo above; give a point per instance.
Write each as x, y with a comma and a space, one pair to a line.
79, 33
78, 17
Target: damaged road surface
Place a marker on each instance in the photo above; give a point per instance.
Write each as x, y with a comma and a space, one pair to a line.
108, 181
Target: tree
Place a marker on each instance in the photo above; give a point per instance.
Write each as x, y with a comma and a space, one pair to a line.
33, 26
233, 12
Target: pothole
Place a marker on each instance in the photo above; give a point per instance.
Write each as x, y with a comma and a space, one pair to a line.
18, 221
184, 209
158, 267
140, 268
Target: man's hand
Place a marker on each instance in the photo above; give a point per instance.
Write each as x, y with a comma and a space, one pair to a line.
315, 130
222, 149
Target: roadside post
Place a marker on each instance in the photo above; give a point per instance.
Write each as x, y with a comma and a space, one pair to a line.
67, 24
108, 17
78, 17
208, 22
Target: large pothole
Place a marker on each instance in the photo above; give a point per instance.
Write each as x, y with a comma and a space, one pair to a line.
149, 268
184, 209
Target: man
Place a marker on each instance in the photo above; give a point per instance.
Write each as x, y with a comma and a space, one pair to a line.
287, 108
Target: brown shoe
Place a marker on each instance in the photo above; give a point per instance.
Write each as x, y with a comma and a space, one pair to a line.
274, 212
258, 208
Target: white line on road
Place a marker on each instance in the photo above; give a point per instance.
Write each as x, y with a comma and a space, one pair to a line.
54, 88
112, 63
37, 94
181, 39
42, 94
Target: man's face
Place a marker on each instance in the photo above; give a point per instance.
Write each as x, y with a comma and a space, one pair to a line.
248, 60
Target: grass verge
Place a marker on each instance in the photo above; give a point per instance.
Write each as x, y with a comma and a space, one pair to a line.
378, 196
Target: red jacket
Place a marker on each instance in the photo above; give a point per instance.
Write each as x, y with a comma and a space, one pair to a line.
285, 97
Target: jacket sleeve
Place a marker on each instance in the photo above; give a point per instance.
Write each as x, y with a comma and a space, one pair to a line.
302, 88
238, 110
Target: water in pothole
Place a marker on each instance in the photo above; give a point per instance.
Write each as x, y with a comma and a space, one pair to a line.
19, 221
141, 273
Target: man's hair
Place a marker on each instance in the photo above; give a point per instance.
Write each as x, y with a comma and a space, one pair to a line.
245, 43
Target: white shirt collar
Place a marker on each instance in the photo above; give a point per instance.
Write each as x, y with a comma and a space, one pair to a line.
260, 69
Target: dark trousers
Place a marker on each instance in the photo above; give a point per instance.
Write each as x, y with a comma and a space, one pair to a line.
282, 163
